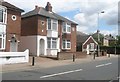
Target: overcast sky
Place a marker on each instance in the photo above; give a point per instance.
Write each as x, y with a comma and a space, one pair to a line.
83, 12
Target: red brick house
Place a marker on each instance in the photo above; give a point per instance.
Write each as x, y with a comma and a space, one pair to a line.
44, 32
10, 27
86, 43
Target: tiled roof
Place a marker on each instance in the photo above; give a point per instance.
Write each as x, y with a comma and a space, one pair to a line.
11, 7
82, 37
39, 11
42, 11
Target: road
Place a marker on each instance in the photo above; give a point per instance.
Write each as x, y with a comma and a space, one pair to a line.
94, 70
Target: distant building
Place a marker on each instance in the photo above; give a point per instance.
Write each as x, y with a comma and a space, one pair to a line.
86, 43
108, 40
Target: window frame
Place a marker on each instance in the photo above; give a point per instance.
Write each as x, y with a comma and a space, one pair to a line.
65, 27
52, 40
3, 40
66, 44
51, 24
4, 14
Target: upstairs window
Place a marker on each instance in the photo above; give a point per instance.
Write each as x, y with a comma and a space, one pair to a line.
49, 23
66, 27
52, 24
3, 14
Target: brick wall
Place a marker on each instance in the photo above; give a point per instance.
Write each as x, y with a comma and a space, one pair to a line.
69, 55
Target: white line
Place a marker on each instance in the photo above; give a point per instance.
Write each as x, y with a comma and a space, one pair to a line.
100, 65
108, 63
61, 73
103, 65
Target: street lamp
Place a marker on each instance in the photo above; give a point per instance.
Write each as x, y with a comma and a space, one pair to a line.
98, 32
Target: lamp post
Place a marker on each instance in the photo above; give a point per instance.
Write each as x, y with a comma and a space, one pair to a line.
98, 33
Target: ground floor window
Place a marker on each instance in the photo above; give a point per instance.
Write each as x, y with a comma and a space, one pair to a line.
66, 44
2, 41
52, 43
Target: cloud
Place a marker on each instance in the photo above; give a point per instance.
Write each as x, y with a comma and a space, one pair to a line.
87, 10
107, 32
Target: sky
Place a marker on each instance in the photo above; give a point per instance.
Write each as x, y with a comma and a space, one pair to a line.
86, 13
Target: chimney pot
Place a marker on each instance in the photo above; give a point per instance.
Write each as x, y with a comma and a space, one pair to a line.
36, 7
48, 7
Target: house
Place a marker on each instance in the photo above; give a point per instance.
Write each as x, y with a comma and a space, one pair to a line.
86, 43
109, 40
10, 27
44, 32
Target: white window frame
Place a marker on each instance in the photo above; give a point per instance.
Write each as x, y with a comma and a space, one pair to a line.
66, 46
3, 41
4, 15
66, 26
92, 46
51, 43
52, 21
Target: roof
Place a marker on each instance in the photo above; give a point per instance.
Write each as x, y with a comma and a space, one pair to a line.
39, 11
109, 37
88, 40
11, 7
82, 37
43, 12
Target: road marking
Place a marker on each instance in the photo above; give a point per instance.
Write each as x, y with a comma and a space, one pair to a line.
103, 65
61, 73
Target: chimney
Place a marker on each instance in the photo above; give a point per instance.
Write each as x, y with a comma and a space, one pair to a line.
1, 2
36, 6
48, 7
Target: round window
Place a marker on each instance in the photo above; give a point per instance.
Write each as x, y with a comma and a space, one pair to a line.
14, 17
42, 22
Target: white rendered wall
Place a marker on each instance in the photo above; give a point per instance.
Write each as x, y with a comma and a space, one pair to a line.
29, 42
14, 57
38, 44
51, 33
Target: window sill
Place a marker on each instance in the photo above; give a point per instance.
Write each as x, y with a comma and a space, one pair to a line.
51, 49
67, 32
66, 48
52, 30
2, 23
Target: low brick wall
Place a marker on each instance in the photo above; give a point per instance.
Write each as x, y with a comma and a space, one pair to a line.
69, 55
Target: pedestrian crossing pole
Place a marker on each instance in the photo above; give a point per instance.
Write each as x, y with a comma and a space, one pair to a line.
73, 57
33, 61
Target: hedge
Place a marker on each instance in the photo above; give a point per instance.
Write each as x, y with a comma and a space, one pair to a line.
110, 49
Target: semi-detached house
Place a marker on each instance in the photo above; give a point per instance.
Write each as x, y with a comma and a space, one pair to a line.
10, 27
44, 32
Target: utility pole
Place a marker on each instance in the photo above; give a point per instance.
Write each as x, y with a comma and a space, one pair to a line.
98, 35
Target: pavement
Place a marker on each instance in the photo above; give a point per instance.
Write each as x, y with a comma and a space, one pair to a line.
42, 63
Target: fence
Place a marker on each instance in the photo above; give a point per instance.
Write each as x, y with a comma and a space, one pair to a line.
14, 57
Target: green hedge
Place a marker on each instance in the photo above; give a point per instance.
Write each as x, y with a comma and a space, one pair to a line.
110, 49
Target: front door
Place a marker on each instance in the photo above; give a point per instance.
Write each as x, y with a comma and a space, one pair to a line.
13, 45
42, 47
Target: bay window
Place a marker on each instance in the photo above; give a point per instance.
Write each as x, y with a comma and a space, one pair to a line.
66, 44
2, 41
66, 27
52, 24
3, 14
52, 43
